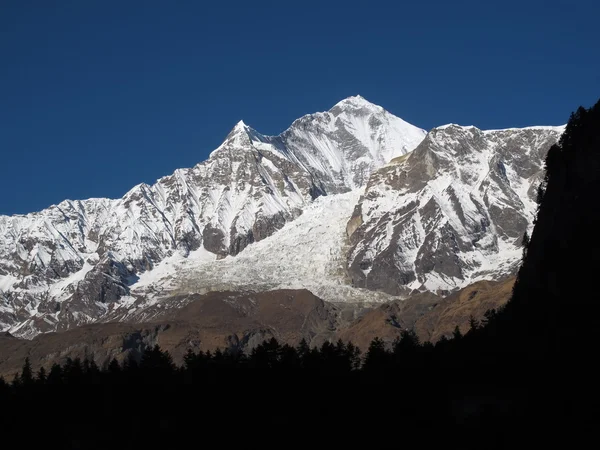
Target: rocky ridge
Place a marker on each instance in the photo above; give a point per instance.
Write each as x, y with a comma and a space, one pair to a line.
452, 212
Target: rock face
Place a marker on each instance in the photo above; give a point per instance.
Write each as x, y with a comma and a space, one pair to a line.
68, 264
451, 212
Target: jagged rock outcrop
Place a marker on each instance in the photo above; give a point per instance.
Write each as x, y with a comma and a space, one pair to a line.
451, 212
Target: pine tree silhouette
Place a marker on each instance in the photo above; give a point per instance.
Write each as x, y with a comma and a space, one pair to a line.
26, 373
41, 376
377, 357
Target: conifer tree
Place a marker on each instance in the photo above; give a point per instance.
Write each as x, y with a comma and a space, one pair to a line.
16, 382
456, 334
328, 356
288, 357
473, 323
190, 360
93, 368
353, 353
303, 350
155, 359
114, 367
86, 364
56, 374
41, 376
405, 349
73, 370
131, 363
377, 356
408, 341
27, 373
218, 356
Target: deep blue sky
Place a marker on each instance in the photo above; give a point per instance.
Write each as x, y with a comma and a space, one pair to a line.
97, 96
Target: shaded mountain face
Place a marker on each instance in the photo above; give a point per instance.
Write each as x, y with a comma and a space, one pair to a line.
337, 204
555, 305
451, 212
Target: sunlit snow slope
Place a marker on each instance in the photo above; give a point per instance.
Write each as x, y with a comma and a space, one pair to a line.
76, 262
307, 253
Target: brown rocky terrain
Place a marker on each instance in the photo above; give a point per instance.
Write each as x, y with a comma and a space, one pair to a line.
245, 319
429, 315
388, 320
456, 309
210, 321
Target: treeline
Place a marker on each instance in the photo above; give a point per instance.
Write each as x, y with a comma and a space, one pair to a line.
157, 366
287, 387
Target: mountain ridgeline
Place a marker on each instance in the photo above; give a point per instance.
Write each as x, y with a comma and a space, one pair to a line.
353, 204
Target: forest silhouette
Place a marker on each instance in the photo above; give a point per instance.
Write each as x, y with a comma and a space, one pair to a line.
525, 376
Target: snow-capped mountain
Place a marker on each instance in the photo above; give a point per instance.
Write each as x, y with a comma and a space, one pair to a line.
77, 261
452, 212
353, 204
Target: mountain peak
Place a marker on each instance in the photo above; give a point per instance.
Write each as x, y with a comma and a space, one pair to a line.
239, 128
239, 135
356, 101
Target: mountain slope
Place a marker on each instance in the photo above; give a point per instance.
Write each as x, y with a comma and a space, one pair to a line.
71, 263
215, 320
451, 212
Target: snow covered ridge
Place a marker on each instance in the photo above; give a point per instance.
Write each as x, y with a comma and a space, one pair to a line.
75, 262
451, 213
